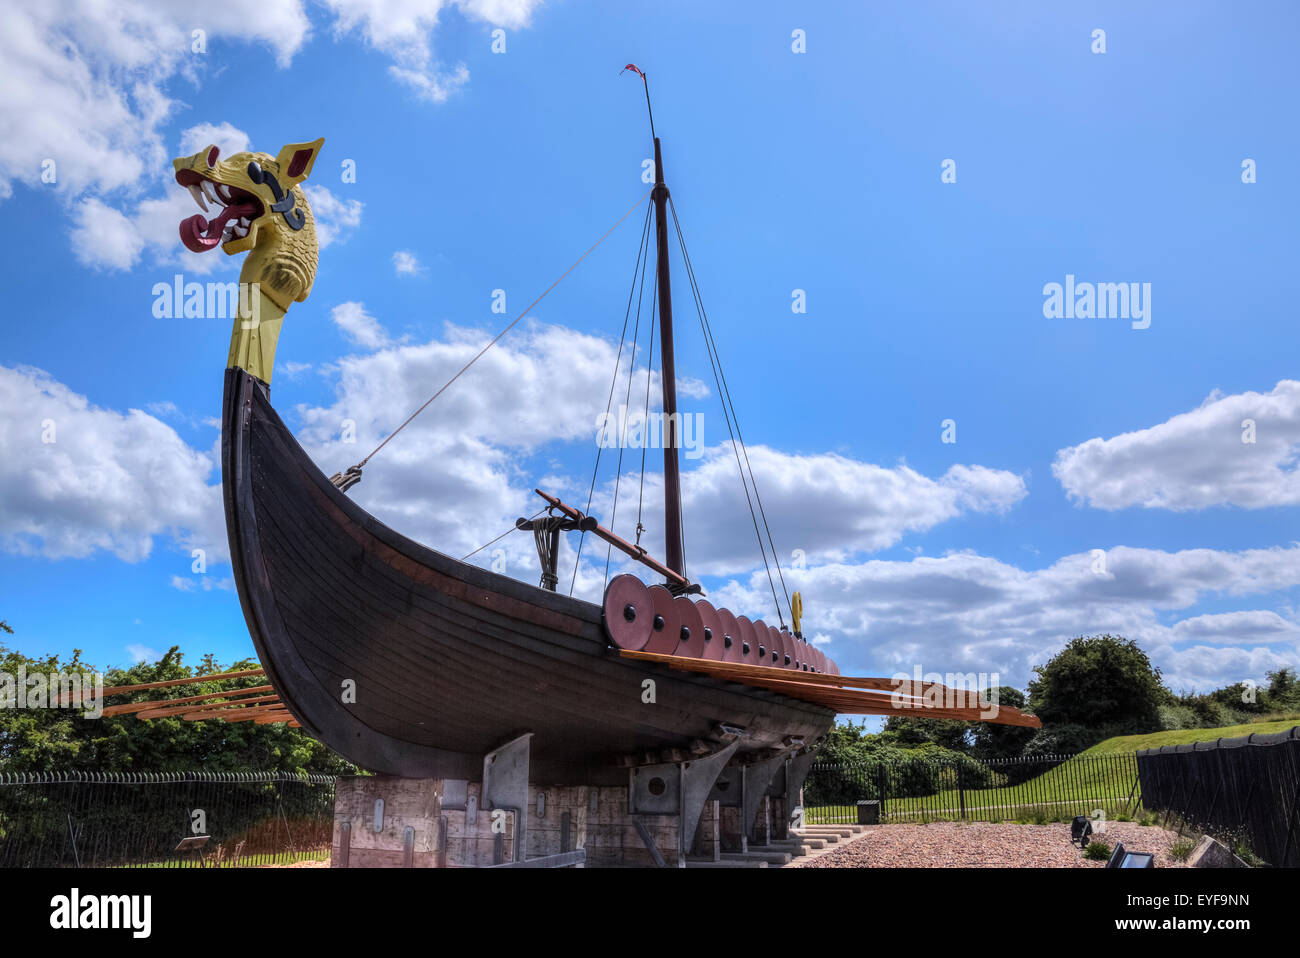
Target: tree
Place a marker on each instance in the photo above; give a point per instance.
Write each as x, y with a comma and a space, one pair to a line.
1100, 682
1283, 689
60, 739
990, 741
908, 732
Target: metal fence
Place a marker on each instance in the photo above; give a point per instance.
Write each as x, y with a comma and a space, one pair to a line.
88, 819
1049, 788
1244, 790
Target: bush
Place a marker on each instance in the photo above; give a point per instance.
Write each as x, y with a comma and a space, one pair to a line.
1178, 717
1097, 852
1066, 739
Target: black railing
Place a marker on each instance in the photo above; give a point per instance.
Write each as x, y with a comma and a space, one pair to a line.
921, 789
91, 819
1244, 790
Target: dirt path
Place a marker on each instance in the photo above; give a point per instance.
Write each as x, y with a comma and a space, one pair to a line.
985, 845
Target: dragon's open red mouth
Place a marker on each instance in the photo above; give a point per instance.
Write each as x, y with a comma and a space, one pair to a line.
238, 208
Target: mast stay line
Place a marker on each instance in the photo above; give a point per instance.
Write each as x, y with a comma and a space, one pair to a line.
349, 478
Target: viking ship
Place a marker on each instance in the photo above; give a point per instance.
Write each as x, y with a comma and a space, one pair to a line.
411, 662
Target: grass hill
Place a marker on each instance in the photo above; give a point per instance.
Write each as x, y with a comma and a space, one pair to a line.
1132, 743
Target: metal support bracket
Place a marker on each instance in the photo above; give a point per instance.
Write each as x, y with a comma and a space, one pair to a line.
677, 788
797, 767
505, 785
757, 777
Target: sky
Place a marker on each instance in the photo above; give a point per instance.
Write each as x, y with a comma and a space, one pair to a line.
877, 199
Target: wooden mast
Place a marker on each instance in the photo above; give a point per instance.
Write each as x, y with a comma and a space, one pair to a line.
667, 376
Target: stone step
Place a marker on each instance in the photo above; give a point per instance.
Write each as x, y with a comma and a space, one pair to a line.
725, 863
795, 846
774, 858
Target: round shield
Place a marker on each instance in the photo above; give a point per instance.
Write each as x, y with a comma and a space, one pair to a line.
748, 641
628, 612
773, 656
713, 646
764, 642
730, 636
665, 625
690, 641
784, 660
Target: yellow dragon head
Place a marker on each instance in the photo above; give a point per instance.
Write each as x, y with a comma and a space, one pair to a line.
261, 209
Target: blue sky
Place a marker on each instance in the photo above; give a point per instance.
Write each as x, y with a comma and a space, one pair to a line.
817, 171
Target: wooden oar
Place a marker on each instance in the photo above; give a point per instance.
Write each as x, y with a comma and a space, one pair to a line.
215, 677
162, 703
188, 710
830, 691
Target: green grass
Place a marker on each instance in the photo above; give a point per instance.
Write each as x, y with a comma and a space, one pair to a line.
1133, 743
254, 860
1101, 777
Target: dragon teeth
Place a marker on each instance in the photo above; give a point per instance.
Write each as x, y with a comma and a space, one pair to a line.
224, 192
198, 197
207, 191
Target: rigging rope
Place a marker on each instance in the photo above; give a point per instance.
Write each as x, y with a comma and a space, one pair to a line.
357, 468
609, 402
631, 369
503, 535
736, 437
649, 368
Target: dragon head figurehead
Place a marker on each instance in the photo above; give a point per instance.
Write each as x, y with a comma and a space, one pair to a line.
261, 210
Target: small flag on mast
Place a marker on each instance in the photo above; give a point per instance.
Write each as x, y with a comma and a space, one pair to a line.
633, 68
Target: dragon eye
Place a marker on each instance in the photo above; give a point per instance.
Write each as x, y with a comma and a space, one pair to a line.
213, 153
255, 172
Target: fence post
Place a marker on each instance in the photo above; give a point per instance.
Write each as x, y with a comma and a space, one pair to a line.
961, 789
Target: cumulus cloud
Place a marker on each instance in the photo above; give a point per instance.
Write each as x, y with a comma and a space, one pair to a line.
107, 238
403, 31
335, 218
142, 653
472, 446
825, 506
405, 263
1196, 459
77, 479
968, 612
85, 83
359, 326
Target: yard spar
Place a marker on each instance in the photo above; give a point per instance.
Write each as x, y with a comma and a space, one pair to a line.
449, 660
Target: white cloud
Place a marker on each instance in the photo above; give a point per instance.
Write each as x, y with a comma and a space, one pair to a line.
1196, 459
335, 218
359, 326
405, 263
104, 237
403, 28
108, 482
826, 505
84, 82
967, 612
201, 583
544, 385
142, 653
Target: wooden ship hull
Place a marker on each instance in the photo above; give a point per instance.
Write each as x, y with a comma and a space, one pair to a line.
447, 660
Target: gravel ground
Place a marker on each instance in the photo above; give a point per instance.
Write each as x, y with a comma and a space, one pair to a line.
984, 845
